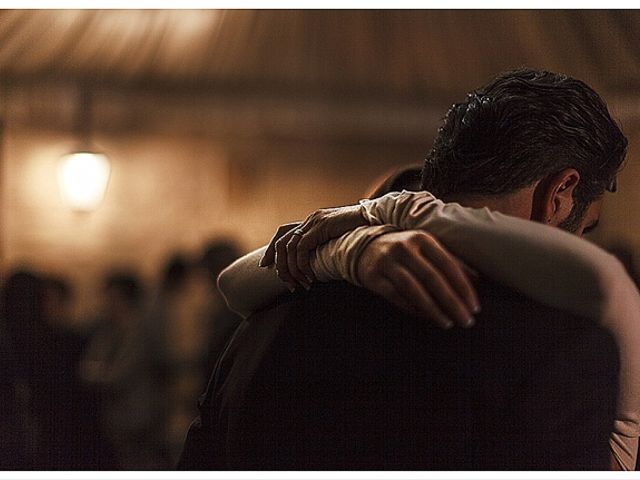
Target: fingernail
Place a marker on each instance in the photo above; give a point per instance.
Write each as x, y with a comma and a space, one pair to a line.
447, 325
476, 308
306, 286
469, 322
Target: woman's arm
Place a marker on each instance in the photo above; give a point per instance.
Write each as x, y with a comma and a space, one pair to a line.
544, 263
246, 288
449, 296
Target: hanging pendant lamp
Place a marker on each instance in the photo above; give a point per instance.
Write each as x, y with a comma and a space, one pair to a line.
83, 175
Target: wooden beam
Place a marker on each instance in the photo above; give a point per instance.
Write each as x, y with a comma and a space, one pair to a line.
239, 115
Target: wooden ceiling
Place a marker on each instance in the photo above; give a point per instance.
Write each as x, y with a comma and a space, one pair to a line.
437, 54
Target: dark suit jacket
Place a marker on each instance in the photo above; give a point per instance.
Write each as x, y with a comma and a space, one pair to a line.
339, 379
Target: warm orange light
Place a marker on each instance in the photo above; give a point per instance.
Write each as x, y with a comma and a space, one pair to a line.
83, 178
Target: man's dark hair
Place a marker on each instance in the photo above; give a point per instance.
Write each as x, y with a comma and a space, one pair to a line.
520, 128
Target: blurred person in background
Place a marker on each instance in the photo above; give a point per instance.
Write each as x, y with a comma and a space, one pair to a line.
85, 436
119, 364
188, 325
58, 300
22, 444
178, 323
40, 364
14, 454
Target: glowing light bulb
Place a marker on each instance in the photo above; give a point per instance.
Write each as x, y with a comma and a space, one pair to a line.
83, 178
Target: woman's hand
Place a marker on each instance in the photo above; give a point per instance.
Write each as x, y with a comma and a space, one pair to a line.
412, 270
291, 246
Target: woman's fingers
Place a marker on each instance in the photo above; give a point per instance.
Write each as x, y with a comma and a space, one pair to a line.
438, 274
454, 271
292, 260
316, 234
419, 275
282, 263
269, 256
427, 277
413, 293
438, 286
304, 249
318, 228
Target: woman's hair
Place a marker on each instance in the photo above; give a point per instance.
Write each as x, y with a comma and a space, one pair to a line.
403, 178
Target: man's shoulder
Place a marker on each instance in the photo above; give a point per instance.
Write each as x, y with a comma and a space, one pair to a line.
337, 377
343, 319
502, 307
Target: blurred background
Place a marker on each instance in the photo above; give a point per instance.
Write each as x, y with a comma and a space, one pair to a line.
227, 123
215, 126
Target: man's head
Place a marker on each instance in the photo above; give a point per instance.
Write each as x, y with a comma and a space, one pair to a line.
530, 143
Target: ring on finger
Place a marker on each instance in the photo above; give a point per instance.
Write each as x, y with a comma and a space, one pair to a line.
298, 231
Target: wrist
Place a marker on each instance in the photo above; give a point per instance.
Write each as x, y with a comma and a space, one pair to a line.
360, 259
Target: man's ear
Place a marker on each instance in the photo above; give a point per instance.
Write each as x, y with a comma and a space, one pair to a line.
555, 196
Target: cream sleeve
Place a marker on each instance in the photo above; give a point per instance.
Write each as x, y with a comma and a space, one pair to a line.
544, 263
247, 288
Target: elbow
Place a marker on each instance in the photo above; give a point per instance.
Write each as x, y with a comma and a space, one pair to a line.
610, 281
225, 283
610, 273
